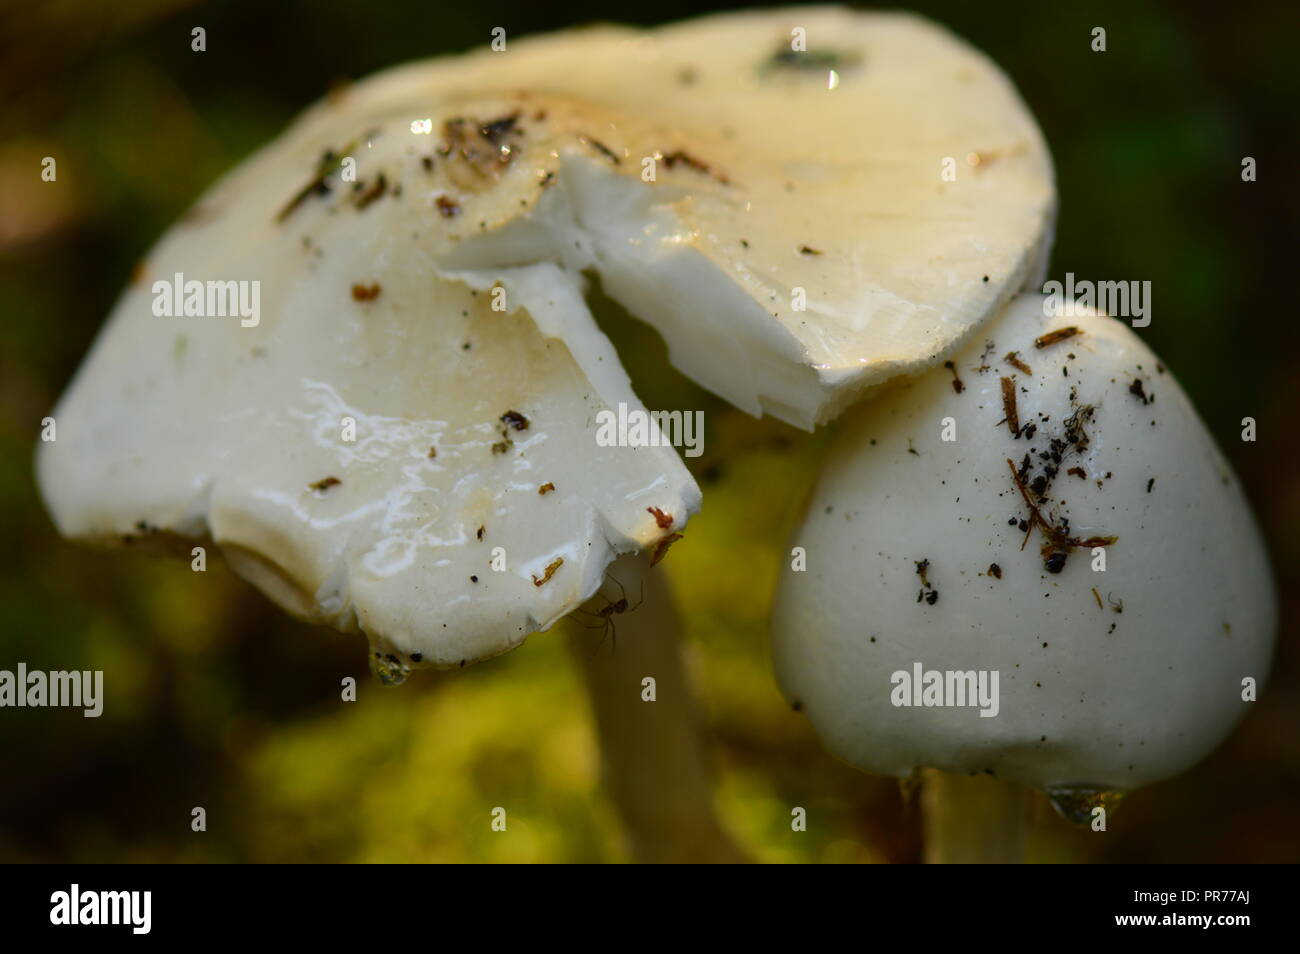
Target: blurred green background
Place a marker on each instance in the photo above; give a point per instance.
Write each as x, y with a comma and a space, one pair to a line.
217, 699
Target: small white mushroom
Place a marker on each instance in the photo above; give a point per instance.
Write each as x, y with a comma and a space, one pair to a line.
961, 524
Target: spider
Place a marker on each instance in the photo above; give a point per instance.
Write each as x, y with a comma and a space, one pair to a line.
604, 617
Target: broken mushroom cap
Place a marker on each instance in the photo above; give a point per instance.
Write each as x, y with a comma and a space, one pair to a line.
962, 526
408, 462
369, 443
760, 187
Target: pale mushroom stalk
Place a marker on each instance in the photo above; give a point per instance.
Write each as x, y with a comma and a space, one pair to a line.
652, 746
972, 819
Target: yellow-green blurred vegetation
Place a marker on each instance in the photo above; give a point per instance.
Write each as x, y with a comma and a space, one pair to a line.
215, 698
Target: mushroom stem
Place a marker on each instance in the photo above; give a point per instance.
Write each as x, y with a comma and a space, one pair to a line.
973, 819
652, 752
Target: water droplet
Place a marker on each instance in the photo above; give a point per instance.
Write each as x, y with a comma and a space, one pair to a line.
1075, 804
388, 668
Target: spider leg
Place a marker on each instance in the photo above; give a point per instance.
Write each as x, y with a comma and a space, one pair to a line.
610, 631
606, 630
640, 599
622, 593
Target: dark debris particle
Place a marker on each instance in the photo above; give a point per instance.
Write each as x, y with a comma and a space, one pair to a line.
545, 489
995, 571
797, 705
427, 162
1138, 391
808, 61
376, 191
501, 447
807, 250
473, 579
957, 384
662, 520
515, 419
318, 185
417, 657
496, 131
922, 570
366, 292
1010, 414
485, 147
1150, 483
433, 452
661, 548
601, 148
1055, 337
449, 208
479, 533
324, 484
548, 572
677, 156
1059, 541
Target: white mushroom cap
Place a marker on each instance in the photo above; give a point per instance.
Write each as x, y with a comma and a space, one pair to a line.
524, 169
201, 428
1107, 680
765, 181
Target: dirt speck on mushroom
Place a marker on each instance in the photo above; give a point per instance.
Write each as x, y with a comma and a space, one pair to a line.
1056, 337
661, 548
549, 572
1010, 414
957, 384
516, 420
1013, 358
